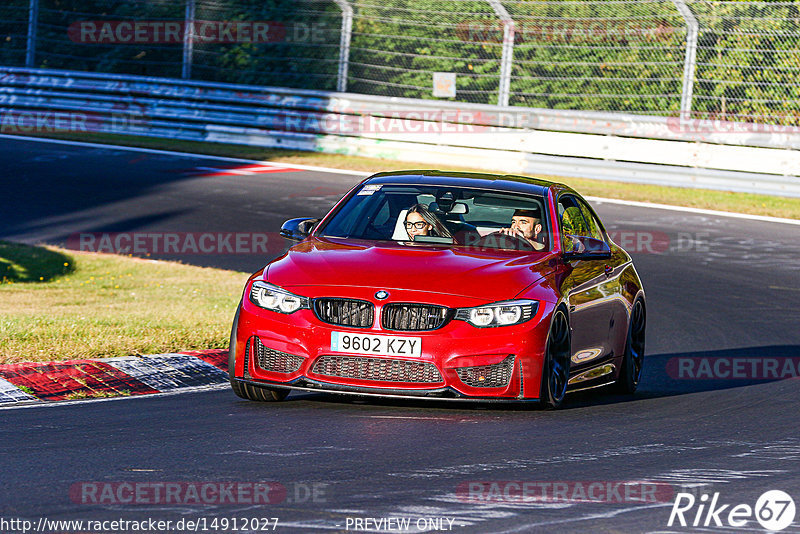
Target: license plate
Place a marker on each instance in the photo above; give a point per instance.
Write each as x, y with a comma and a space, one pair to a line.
382, 345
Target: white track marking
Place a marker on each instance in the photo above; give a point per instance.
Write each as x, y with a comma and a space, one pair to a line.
56, 404
165, 372
698, 211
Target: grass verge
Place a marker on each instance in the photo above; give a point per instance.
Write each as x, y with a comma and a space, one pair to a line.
696, 198
60, 305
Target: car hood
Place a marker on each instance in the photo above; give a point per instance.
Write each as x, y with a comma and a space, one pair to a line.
488, 275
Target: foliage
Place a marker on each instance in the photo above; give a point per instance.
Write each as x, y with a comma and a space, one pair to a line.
13, 31
591, 55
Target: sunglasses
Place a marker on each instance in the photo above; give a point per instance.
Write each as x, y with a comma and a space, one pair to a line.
419, 225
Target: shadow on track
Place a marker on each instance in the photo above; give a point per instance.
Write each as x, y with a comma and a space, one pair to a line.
59, 192
665, 375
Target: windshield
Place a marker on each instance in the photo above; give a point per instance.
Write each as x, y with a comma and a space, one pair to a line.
443, 215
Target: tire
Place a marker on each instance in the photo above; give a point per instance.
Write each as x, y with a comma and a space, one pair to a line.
232, 347
257, 393
555, 369
248, 391
630, 372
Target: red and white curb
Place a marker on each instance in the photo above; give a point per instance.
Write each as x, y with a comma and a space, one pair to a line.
241, 170
111, 377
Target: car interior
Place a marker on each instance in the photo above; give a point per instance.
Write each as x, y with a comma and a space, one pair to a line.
473, 217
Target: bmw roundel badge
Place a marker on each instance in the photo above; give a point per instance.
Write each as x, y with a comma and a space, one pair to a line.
382, 295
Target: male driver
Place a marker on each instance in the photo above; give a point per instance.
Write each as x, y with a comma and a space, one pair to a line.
525, 225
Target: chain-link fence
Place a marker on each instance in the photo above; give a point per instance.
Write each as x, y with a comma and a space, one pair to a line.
748, 60
730, 59
83, 35
600, 55
13, 32
396, 48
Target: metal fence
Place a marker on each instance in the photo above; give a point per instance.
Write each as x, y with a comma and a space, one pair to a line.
728, 59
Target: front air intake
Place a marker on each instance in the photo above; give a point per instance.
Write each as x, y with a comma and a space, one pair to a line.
497, 375
275, 361
414, 317
377, 369
345, 312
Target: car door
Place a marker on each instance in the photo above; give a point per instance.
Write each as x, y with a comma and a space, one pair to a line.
586, 287
612, 289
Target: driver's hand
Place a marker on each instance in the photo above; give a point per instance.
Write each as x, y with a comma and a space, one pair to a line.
512, 233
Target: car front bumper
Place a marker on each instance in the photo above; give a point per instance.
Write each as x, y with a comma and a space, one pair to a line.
458, 361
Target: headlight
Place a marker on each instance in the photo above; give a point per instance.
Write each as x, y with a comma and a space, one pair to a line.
499, 313
272, 297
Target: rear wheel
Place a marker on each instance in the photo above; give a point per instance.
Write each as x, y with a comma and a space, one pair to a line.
631, 370
555, 371
247, 391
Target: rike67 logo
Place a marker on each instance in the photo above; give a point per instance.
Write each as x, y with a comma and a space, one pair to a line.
774, 510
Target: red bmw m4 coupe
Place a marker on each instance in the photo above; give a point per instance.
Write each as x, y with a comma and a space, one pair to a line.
443, 285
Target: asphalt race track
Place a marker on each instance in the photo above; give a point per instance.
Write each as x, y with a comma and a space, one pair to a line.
719, 288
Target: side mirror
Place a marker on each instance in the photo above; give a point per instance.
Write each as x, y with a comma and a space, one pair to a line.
298, 229
585, 248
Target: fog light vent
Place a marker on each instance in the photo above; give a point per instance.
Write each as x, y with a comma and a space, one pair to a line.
488, 376
275, 361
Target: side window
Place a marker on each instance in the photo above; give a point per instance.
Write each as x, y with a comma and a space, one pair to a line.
572, 221
591, 221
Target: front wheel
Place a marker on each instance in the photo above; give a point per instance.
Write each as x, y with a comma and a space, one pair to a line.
632, 361
247, 391
555, 371
255, 393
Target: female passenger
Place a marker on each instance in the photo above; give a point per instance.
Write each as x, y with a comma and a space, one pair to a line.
421, 221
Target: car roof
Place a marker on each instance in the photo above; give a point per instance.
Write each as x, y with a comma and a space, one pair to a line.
500, 182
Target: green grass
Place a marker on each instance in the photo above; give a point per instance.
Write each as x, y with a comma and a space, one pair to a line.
19, 263
696, 198
60, 305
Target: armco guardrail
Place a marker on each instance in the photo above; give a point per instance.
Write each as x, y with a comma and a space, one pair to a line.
670, 151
